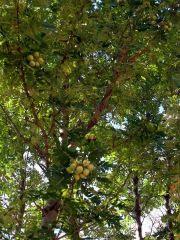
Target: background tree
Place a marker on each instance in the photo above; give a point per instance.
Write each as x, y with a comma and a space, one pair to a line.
95, 81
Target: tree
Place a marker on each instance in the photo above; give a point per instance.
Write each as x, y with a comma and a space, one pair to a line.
82, 86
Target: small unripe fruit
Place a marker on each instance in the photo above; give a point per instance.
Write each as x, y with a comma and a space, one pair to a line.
86, 163
73, 166
170, 24
30, 58
76, 177
32, 64
90, 167
69, 170
37, 64
166, 27
36, 54
86, 172
82, 175
79, 170
41, 60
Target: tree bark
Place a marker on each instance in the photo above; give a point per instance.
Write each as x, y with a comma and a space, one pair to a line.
22, 189
50, 213
169, 224
137, 207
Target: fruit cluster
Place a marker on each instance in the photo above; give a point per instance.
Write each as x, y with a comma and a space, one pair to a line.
35, 59
80, 170
166, 26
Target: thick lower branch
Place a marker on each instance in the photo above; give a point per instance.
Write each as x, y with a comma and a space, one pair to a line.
169, 224
22, 189
137, 207
50, 213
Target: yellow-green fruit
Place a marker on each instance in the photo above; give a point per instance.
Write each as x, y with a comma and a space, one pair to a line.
86, 163
32, 63
76, 162
79, 170
41, 60
76, 177
86, 172
82, 175
36, 54
166, 27
30, 58
73, 166
69, 170
37, 64
90, 167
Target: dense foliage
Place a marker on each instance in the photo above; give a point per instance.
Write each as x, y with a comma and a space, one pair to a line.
89, 99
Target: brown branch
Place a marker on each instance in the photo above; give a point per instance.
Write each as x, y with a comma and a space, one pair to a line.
122, 58
137, 207
169, 224
100, 108
25, 140
33, 109
22, 189
36, 119
133, 58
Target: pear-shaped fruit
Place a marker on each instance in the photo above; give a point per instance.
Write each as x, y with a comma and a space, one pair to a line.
79, 170
86, 172
76, 177
90, 167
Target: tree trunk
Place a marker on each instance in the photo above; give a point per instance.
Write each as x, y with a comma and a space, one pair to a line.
22, 205
50, 213
137, 207
168, 212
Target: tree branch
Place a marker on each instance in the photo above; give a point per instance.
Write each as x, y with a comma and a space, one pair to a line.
25, 140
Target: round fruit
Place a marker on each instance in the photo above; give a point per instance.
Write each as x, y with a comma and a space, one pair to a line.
86, 172
77, 177
166, 27
90, 167
73, 166
30, 58
79, 169
82, 175
69, 170
32, 63
37, 64
86, 163
41, 60
36, 54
